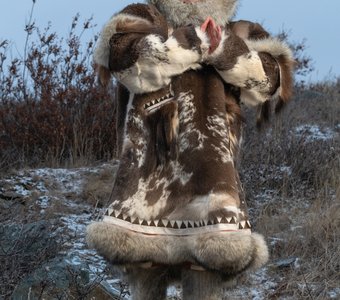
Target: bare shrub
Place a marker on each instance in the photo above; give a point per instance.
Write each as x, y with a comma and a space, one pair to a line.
304, 63
52, 111
22, 249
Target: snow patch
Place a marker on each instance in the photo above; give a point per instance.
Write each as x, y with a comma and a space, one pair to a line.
258, 287
54, 187
334, 294
286, 170
314, 133
174, 292
21, 190
68, 180
78, 252
43, 201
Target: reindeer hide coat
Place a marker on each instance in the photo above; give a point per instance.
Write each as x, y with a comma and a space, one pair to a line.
177, 199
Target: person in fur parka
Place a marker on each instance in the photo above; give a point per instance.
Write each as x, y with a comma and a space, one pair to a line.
178, 212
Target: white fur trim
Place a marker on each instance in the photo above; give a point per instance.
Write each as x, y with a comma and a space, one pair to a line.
272, 46
249, 75
205, 42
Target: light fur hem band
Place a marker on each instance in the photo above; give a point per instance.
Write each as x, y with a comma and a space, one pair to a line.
222, 248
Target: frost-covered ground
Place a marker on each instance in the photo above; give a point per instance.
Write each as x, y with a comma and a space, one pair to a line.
315, 132
41, 194
57, 193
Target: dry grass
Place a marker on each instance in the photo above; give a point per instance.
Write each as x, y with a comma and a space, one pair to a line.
292, 180
98, 186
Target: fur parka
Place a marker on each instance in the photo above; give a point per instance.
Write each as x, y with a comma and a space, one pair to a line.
177, 199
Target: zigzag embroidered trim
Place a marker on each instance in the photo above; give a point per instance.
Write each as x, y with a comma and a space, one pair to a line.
176, 228
155, 104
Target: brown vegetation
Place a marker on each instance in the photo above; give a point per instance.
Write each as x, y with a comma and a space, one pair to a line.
51, 109
292, 180
21, 251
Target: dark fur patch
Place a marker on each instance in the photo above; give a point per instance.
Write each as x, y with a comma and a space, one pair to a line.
124, 49
162, 140
285, 82
235, 47
236, 120
286, 66
150, 13
134, 26
187, 37
104, 75
157, 25
272, 71
139, 10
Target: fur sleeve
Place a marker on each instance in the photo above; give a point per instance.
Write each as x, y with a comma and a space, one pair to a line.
261, 66
134, 47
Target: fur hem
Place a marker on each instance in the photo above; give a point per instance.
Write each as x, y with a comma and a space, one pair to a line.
226, 253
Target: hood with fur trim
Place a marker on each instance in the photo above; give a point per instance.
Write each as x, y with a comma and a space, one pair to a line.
179, 13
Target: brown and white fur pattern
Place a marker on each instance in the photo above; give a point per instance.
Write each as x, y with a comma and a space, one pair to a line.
178, 210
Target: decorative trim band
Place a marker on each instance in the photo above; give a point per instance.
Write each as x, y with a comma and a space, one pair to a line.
157, 103
178, 228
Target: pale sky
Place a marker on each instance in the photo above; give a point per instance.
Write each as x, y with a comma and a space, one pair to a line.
316, 21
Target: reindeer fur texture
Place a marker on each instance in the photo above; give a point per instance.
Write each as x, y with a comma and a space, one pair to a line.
225, 253
177, 202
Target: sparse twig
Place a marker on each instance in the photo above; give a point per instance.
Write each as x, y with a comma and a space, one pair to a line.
307, 287
29, 27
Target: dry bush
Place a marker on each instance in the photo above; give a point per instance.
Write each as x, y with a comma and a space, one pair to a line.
52, 111
283, 149
23, 251
77, 285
